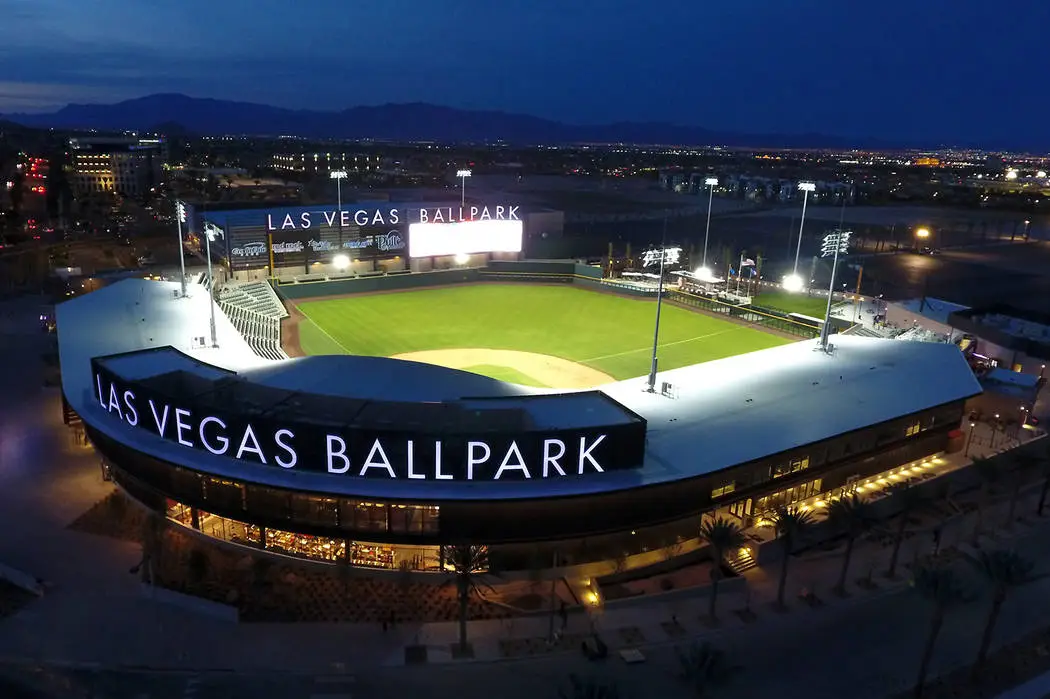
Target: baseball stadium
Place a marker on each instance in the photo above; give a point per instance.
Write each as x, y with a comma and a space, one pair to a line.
352, 407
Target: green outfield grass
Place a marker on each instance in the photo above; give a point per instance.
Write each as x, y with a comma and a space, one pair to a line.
505, 373
610, 333
814, 306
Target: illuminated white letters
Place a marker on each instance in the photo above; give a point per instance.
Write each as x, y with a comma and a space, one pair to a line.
377, 449
249, 433
181, 427
552, 459
98, 383
220, 438
133, 415
114, 404
160, 422
361, 217
585, 453
438, 475
519, 464
292, 456
472, 460
339, 453
411, 463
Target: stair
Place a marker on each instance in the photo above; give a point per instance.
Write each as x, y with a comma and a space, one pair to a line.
740, 560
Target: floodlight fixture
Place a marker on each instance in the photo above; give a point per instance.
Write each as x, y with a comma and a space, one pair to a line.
341, 262
462, 258
792, 283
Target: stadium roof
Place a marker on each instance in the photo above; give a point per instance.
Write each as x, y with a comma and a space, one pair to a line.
723, 413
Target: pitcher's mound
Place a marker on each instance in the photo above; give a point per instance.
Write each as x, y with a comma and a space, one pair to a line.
525, 368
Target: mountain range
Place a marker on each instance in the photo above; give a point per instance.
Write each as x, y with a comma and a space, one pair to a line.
393, 122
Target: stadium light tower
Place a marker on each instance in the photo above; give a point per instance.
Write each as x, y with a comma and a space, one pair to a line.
339, 176
463, 175
793, 282
211, 231
835, 243
711, 183
180, 218
664, 255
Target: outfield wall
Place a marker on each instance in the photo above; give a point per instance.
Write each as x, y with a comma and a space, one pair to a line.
542, 272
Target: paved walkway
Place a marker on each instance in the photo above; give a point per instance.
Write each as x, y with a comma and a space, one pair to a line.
94, 617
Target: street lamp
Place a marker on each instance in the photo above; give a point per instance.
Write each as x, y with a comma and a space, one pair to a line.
922, 233
180, 218
969, 439
211, 231
711, 182
339, 176
463, 175
805, 188
1027, 223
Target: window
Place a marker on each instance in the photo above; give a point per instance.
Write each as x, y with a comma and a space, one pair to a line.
723, 489
913, 429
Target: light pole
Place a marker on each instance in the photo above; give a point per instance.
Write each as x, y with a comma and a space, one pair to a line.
711, 182
663, 255
793, 282
463, 175
835, 243
180, 218
969, 439
339, 176
211, 231
1027, 224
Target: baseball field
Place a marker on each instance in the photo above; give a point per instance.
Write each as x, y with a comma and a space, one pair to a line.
548, 336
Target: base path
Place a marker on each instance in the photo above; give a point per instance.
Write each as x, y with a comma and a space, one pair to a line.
543, 368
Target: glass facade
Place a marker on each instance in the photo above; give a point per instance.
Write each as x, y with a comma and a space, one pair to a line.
318, 548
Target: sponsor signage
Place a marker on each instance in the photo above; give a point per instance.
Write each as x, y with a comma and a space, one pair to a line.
388, 242
364, 452
436, 239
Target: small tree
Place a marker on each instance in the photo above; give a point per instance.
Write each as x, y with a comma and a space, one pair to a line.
588, 688
198, 566
1003, 570
910, 498
1022, 467
468, 563
850, 516
990, 475
704, 668
722, 536
941, 588
790, 524
1044, 471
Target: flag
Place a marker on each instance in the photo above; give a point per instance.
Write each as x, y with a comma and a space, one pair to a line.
747, 263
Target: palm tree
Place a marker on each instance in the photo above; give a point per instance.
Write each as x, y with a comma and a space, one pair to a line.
1003, 570
153, 530
1044, 471
588, 688
789, 523
467, 562
910, 498
941, 587
722, 536
1023, 465
704, 667
990, 474
849, 515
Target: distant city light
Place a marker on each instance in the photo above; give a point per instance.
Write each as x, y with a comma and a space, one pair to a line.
1011, 174
922, 233
1041, 174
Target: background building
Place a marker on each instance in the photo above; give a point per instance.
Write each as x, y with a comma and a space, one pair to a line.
127, 166
310, 164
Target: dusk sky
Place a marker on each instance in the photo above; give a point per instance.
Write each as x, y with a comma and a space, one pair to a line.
931, 71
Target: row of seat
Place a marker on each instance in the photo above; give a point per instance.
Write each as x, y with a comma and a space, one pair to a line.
252, 324
256, 312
